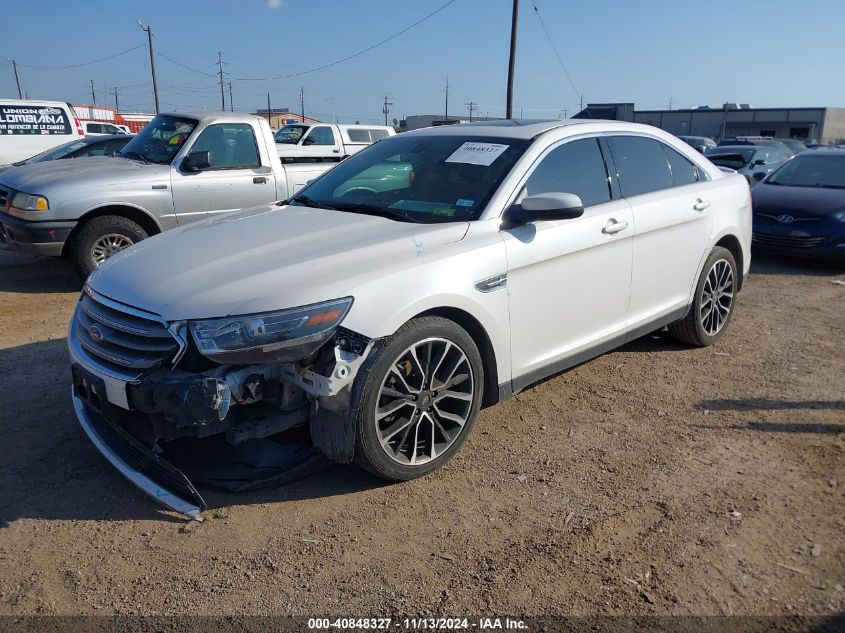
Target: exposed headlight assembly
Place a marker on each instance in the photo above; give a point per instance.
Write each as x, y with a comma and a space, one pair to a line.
28, 202
282, 336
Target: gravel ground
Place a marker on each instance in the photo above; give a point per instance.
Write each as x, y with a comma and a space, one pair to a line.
656, 479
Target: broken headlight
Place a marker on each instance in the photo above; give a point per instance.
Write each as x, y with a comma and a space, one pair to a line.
283, 336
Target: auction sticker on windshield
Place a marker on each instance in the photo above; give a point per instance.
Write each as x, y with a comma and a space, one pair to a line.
477, 153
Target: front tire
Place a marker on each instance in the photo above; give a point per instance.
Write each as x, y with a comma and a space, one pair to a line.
713, 305
100, 238
420, 400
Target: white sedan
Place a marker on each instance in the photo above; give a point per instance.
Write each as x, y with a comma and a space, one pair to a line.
369, 317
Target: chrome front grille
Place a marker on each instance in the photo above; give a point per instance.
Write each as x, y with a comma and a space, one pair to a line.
786, 241
121, 338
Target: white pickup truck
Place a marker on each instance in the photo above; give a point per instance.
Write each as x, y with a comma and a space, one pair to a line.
180, 168
301, 143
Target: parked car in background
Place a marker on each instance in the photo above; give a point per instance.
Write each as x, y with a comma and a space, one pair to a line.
792, 143
98, 128
370, 324
107, 145
178, 169
700, 143
752, 161
800, 208
756, 140
300, 143
31, 127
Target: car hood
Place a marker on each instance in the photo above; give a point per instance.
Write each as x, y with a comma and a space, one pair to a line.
40, 178
266, 258
797, 201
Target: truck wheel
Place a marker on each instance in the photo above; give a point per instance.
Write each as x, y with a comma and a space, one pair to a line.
713, 305
100, 238
420, 400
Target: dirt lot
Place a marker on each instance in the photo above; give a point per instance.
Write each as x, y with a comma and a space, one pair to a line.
654, 480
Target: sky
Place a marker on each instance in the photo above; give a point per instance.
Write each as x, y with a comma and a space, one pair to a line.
768, 53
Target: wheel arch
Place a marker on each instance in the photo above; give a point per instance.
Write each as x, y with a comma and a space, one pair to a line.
732, 243
475, 329
144, 219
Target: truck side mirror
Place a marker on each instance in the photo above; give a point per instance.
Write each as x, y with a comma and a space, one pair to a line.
197, 161
545, 206
308, 140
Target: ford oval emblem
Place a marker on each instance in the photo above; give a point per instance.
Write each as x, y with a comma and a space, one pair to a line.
95, 334
785, 219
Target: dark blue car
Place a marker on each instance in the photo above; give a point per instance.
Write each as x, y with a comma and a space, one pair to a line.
799, 209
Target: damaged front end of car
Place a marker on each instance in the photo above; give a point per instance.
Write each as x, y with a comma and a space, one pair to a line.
238, 402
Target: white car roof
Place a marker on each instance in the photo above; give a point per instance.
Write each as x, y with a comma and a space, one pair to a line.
529, 128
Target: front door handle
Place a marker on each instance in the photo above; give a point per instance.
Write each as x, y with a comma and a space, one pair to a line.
613, 226
700, 204
259, 180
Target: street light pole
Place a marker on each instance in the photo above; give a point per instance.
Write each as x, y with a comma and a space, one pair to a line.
512, 60
17, 79
149, 31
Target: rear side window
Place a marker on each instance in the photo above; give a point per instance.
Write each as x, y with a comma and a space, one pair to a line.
232, 146
575, 167
26, 119
366, 135
684, 172
641, 163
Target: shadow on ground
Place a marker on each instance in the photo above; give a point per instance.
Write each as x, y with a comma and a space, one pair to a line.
28, 274
768, 264
50, 470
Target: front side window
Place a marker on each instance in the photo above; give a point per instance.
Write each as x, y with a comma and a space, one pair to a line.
424, 179
160, 140
641, 163
319, 136
684, 172
575, 167
231, 146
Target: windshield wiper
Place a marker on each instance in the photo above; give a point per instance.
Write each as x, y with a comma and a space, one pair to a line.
369, 209
139, 155
308, 202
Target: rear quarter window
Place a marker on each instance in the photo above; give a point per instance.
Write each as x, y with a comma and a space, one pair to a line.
33, 119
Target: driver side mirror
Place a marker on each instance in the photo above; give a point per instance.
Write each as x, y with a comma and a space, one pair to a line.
759, 161
308, 140
197, 161
758, 175
544, 206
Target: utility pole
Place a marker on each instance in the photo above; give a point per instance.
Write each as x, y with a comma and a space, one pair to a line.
302, 103
446, 115
512, 60
472, 107
670, 103
231, 101
582, 102
386, 109
334, 118
222, 93
149, 31
17, 79
93, 94
116, 105
268, 109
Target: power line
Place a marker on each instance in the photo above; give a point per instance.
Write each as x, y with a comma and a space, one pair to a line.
554, 48
185, 66
354, 55
94, 61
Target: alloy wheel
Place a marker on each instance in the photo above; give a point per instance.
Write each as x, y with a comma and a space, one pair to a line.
717, 297
108, 245
424, 401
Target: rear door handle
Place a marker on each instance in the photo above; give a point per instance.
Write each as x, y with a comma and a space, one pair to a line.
614, 226
700, 204
259, 180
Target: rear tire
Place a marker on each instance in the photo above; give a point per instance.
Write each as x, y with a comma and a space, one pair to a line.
101, 237
427, 382
713, 304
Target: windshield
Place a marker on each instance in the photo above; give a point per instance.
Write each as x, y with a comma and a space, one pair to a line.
160, 140
55, 153
423, 179
814, 170
290, 134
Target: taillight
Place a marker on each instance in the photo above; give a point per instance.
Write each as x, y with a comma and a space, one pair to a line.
79, 127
